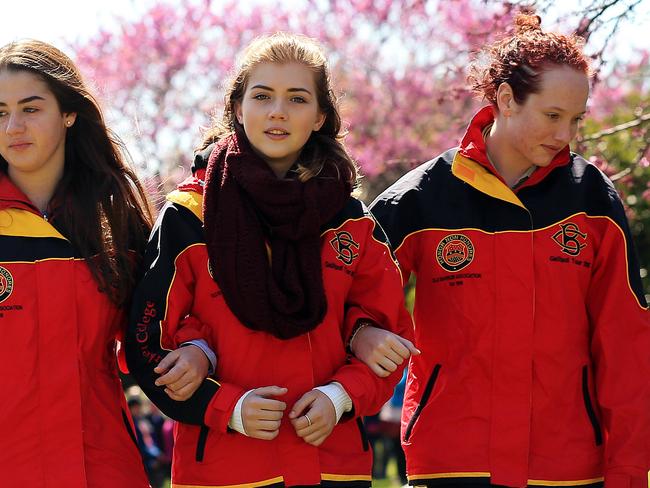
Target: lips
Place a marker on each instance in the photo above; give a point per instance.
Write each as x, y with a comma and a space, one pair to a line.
276, 131
19, 145
553, 149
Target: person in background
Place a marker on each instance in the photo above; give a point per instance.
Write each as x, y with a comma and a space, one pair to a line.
73, 227
162, 436
384, 435
144, 435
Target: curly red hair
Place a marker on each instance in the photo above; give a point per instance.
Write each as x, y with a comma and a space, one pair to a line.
521, 58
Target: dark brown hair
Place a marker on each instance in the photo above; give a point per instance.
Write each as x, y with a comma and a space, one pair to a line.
521, 58
104, 210
324, 146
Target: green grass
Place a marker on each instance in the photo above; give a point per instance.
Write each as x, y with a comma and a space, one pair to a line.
386, 483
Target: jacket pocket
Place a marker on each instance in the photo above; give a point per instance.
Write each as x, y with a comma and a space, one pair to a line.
425, 398
364, 437
598, 434
127, 424
200, 443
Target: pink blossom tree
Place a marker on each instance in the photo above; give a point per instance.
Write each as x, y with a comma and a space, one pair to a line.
399, 67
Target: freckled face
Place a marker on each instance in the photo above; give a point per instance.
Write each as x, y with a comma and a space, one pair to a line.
547, 122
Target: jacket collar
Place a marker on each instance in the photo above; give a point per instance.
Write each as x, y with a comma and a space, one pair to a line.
18, 216
473, 147
472, 165
12, 197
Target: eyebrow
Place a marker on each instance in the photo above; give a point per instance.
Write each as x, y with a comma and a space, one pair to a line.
560, 109
292, 90
25, 100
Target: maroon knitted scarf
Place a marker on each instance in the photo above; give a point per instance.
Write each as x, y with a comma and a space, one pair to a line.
246, 207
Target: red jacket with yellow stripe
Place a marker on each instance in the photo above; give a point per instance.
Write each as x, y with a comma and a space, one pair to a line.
179, 301
63, 416
529, 312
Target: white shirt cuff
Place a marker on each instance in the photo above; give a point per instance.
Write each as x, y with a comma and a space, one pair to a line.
339, 397
236, 421
203, 345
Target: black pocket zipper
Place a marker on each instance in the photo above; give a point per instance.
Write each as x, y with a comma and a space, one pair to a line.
200, 444
425, 398
127, 424
589, 406
364, 437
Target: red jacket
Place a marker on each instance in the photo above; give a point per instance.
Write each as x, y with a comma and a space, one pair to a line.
178, 300
63, 418
533, 326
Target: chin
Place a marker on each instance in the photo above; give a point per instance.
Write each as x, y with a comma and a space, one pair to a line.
543, 161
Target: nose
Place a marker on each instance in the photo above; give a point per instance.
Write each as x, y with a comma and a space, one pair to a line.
15, 124
565, 133
278, 110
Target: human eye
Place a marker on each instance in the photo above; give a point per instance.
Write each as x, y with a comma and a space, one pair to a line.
260, 96
298, 99
30, 110
579, 119
552, 115
3, 113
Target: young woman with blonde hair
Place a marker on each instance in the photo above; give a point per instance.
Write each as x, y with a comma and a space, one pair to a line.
264, 254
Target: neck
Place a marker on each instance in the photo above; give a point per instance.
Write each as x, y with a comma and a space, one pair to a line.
505, 160
280, 170
279, 167
38, 186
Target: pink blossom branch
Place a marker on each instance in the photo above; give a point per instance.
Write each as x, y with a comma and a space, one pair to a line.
617, 128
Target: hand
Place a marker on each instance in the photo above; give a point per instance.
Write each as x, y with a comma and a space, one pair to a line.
261, 415
313, 417
183, 371
381, 350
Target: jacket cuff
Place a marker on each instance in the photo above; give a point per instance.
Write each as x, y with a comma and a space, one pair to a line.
203, 345
220, 408
339, 398
355, 391
236, 422
190, 328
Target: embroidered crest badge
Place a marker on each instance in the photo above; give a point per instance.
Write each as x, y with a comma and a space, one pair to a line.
345, 247
6, 284
570, 239
455, 252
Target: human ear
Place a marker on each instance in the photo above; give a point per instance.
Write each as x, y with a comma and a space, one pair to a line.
69, 119
239, 114
505, 99
320, 120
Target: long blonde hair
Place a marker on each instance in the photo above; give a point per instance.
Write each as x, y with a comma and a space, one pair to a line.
324, 146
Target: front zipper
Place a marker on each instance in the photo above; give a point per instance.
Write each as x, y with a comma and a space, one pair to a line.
425, 398
200, 444
589, 406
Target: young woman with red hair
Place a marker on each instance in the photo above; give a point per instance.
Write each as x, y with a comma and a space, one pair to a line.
529, 311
